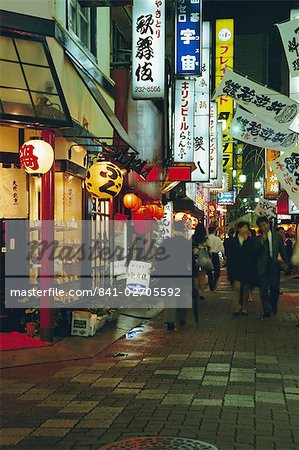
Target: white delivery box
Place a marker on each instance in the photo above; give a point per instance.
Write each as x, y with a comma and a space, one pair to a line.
83, 323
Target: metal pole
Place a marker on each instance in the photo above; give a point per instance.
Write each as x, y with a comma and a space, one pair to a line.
47, 234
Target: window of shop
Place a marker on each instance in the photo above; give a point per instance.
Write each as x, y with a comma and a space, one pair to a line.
30, 91
82, 22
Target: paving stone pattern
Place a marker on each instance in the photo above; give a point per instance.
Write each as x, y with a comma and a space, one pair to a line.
232, 382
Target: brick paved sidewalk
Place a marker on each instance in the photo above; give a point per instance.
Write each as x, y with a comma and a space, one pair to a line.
233, 382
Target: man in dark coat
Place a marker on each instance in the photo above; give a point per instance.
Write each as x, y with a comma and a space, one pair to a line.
269, 245
242, 266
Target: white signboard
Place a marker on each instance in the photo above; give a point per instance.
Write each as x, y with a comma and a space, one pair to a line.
148, 49
202, 114
266, 209
286, 168
246, 127
166, 221
289, 32
270, 106
138, 277
184, 121
14, 195
213, 141
218, 182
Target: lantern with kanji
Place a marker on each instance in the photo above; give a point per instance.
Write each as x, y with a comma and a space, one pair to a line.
104, 180
131, 201
181, 216
36, 156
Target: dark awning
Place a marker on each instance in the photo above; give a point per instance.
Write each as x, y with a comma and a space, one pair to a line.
101, 102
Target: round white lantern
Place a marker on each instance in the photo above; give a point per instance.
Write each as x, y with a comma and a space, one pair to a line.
36, 156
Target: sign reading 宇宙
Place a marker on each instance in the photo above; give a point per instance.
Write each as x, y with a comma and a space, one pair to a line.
188, 30
148, 49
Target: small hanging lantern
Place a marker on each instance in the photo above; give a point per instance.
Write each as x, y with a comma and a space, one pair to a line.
36, 156
181, 216
104, 180
131, 201
160, 213
143, 220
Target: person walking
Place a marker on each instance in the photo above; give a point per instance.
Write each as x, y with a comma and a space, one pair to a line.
243, 263
199, 242
227, 248
216, 247
269, 249
179, 262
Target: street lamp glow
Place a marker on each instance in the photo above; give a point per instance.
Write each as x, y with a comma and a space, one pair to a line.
257, 185
242, 178
256, 200
234, 173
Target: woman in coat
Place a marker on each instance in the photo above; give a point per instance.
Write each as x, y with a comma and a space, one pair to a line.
243, 267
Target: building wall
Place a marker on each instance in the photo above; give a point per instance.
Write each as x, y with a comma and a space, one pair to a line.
36, 8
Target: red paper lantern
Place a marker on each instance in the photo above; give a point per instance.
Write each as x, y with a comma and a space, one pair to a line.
160, 213
131, 201
143, 220
154, 209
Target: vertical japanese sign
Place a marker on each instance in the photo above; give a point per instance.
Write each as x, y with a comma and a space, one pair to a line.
202, 114
289, 32
148, 49
213, 140
224, 54
184, 121
188, 37
14, 198
271, 180
286, 167
166, 221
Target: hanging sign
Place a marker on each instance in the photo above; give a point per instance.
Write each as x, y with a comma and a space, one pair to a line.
270, 106
184, 121
188, 34
224, 56
289, 32
271, 181
213, 141
166, 221
248, 128
148, 49
217, 183
201, 144
225, 198
14, 195
266, 209
286, 167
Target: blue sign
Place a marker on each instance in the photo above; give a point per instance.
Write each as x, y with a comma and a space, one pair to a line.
188, 37
226, 198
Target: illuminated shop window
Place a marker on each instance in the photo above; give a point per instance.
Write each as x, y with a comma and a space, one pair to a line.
30, 92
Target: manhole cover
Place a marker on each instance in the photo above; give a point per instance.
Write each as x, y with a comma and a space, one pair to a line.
159, 443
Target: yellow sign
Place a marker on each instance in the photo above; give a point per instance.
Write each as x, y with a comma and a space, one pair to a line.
271, 180
224, 54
